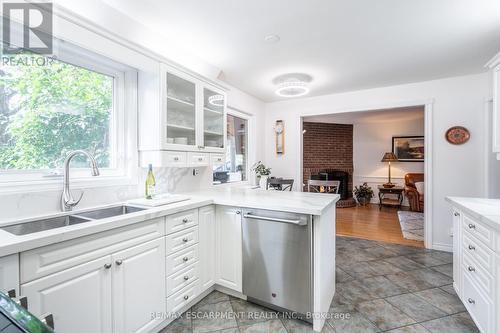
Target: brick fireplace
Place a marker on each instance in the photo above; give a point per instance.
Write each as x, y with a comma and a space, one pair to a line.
328, 149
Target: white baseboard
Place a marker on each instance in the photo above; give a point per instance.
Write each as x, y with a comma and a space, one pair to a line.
442, 247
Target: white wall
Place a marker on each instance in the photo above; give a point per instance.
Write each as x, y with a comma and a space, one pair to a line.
457, 170
371, 141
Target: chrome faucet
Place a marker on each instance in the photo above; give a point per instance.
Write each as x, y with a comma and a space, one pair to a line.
67, 200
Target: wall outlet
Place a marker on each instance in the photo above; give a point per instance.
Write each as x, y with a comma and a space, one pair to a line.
196, 172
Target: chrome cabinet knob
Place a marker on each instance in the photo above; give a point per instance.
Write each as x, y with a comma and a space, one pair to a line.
185, 259
471, 269
185, 220
107, 266
472, 247
471, 301
185, 240
238, 212
472, 226
186, 278
456, 214
176, 158
200, 159
119, 262
48, 320
186, 297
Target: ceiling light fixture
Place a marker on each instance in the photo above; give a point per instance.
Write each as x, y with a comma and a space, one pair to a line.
292, 84
216, 100
272, 39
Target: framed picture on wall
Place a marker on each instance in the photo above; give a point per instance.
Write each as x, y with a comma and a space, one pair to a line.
408, 148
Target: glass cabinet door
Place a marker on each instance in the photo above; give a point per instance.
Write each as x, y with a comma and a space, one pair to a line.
213, 119
181, 111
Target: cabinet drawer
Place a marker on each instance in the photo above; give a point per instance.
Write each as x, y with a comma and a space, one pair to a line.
217, 159
181, 240
197, 159
182, 259
182, 278
479, 231
182, 297
477, 273
479, 252
50, 259
181, 221
479, 306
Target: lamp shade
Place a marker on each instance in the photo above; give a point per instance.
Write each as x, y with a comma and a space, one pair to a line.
389, 157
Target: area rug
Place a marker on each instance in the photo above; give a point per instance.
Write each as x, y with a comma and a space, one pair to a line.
412, 225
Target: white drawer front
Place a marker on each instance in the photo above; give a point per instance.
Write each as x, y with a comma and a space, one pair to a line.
479, 306
181, 221
175, 158
479, 252
182, 259
182, 239
198, 159
479, 231
182, 278
57, 257
477, 273
182, 297
217, 159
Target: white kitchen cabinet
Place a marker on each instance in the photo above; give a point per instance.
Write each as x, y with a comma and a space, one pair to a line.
206, 232
79, 298
494, 65
138, 286
228, 248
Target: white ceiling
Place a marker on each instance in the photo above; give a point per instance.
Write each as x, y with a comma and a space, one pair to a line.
343, 44
415, 113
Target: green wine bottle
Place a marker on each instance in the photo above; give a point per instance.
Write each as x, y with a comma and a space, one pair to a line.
150, 183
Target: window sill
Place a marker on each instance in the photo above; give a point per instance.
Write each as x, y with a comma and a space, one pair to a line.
54, 184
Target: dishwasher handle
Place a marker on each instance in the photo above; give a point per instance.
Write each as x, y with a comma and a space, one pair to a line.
274, 219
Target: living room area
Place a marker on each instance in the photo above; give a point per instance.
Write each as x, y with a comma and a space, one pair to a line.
375, 160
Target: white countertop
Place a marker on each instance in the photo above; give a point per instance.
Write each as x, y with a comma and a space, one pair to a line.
484, 210
295, 202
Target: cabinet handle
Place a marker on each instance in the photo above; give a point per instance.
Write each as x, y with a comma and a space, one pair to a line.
472, 247
176, 158
185, 220
471, 301
186, 278
472, 226
185, 259
107, 266
48, 320
456, 214
186, 297
200, 159
185, 240
119, 262
471, 269
238, 212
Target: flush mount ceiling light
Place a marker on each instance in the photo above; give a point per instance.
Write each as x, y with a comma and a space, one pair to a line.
216, 100
292, 85
272, 39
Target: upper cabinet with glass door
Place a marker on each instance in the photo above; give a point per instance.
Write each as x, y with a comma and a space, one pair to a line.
214, 105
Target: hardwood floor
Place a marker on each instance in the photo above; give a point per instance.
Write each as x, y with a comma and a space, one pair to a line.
371, 223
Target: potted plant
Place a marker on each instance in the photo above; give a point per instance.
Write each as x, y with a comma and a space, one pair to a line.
261, 172
363, 194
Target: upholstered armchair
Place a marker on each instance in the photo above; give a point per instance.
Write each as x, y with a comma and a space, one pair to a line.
415, 198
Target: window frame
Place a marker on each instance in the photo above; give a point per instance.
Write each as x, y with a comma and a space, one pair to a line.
250, 146
122, 135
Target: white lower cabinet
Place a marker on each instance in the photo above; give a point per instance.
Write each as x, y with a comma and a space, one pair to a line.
228, 271
79, 298
206, 229
115, 293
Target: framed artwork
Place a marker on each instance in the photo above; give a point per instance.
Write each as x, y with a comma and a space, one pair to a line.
280, 137
408, 148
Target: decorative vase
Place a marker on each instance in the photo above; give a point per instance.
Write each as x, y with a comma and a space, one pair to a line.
257, 180
263, 182
363, 201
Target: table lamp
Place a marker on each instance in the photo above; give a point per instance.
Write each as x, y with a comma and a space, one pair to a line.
389, 157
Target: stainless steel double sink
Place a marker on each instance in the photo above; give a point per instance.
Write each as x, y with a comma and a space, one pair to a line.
30, 227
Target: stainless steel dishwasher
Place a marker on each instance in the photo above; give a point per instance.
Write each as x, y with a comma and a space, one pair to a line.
277, 260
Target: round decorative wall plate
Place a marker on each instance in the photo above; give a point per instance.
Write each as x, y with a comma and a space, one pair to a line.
457, 135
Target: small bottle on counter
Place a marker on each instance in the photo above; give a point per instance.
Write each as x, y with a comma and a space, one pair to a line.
150, 183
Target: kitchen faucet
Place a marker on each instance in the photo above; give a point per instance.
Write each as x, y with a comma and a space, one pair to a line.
67, 200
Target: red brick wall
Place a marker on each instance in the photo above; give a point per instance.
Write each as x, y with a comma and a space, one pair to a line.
327, 147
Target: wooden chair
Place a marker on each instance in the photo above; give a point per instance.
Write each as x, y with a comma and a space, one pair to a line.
279, 184
331, 186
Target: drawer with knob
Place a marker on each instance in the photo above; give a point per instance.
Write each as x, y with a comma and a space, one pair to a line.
182, 297
182, 278
198, 159
479, 252
181, 221
217, 159
478, 230
182, 259
479, 306
477, 273
181, 239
